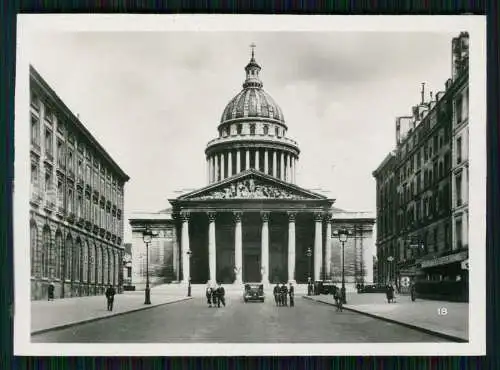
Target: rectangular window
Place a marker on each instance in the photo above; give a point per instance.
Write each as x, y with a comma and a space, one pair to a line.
35, 130
458, 188
79, 205
34, 174
79, 169
60, 194
458, 233
48, 143
87, 174
239, 128
48, 114
70, 160
35, 100
458, 107
459, 150
252, 129
60, 154
70, 200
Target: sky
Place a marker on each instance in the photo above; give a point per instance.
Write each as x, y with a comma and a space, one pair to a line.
154, 100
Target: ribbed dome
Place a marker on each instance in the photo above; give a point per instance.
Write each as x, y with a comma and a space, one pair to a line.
252, 102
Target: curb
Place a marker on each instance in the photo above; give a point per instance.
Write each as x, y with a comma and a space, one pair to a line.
411, 326
86, 321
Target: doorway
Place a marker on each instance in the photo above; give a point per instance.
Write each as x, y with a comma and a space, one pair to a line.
251, 268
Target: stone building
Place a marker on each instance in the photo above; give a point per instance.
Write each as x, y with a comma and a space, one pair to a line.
76, 202
422, 184
252, 222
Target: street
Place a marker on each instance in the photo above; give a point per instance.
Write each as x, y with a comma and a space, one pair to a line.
238, 322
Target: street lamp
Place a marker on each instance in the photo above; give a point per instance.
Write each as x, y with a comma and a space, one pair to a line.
343, 234
390, 259
309, 254
147, 236
189, 277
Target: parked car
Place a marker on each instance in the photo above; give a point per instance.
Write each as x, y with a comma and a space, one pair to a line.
253, 292
372, 289
324, 286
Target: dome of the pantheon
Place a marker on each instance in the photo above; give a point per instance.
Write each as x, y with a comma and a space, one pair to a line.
252, 102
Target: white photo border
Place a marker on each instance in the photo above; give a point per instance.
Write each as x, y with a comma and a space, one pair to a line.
28, 24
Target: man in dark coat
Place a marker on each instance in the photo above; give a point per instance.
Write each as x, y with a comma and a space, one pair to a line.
276, 293
284, 295
110, 296
50, 292
221, 296
209, 296
291, 293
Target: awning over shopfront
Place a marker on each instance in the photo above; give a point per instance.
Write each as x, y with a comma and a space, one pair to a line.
445, 260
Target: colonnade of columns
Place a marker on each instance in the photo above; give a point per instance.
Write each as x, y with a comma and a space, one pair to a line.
278, 163
319, 217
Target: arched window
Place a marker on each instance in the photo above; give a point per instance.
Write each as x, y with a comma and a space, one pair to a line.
115, 268
92, 263
46, 252
266, 129
68, 253
252, 129
34, 248
104, 264
59, 255
85, 262
99, 265
77, 260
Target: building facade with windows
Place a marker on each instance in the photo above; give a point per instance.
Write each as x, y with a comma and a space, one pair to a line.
76, 202
421, 188
252, 222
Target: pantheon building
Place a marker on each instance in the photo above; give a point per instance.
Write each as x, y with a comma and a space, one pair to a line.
252, 222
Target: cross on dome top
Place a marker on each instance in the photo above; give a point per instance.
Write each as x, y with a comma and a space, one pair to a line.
252, 69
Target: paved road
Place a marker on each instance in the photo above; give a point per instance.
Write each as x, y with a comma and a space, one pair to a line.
194, 321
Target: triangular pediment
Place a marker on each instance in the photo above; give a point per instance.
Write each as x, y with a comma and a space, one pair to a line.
252, 184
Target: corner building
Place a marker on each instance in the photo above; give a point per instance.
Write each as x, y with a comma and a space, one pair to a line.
422, 186
252, 222
76, 202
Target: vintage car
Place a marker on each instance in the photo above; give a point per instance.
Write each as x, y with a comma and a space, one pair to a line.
373, 288
253, 292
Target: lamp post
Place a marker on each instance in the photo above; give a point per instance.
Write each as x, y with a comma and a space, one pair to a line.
390, 259
343, 234
309, 254
147, 236
189, 277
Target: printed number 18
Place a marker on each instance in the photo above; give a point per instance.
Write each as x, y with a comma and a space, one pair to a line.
442, 311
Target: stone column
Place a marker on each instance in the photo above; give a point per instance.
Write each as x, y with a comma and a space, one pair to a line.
229, 164
282, 166
185, 246
286, 172
238, 160
238, 248
291, 247
328, 246
208, 170
257, 159
266, 162
222, 167
318, 242
274, 163
216, 171
264, 263
212, 247
247, 159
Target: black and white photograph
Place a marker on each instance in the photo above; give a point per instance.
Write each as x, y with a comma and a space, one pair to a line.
250, 185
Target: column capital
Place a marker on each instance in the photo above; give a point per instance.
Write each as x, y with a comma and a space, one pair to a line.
211, 216
265, 216
328, 216
237, 216
291, 216
318, 216
185, 216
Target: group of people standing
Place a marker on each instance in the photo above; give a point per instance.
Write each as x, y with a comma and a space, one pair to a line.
282, 293
216, 296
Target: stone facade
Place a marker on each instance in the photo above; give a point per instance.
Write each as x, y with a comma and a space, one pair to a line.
422, 186
76, 203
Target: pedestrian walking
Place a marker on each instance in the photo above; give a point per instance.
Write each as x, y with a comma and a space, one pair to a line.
390, 293
413, 292
50, 292
291, 293
276, 292
208, 294
284, 295
110, 296
221, 296
337, 296
213, 296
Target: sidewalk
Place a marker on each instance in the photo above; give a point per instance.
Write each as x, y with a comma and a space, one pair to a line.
61, 313
421, 315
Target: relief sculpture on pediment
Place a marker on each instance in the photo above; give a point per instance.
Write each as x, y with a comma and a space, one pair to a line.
251, 189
